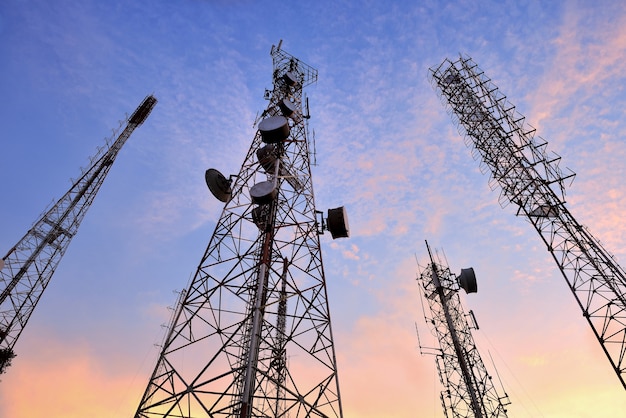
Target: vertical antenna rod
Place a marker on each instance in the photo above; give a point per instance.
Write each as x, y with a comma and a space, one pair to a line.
469, 390
531, 179
253, 337
26, 269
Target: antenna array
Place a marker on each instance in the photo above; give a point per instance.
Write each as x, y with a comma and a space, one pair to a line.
530, 178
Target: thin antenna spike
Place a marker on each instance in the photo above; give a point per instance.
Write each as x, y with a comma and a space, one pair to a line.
474, 321
314, 150
493, 363
419, 342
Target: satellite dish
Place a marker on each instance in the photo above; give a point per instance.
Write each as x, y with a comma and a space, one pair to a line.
337, 222
467, 280
287, 107
218, 184
267, 157
263, 192
274, 129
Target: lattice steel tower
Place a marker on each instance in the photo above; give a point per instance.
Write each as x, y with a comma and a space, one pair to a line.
530, 178
468, 388
26, 269
251, 336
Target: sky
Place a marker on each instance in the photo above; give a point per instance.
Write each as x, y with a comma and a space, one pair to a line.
385, 149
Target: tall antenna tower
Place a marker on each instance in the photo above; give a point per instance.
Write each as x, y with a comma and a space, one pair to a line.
252, 335
26, 269
531, 179
469, 389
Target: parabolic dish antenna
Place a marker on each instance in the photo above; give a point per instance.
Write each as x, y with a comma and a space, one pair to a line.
287, 107
467, 280
290, 78
337, 222
267, 157
263, 192
274, 129
218, 184
259, 217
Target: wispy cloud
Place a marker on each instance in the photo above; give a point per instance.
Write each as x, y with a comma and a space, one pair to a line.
386, 150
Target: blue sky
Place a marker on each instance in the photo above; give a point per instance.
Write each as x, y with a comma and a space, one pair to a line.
386, 149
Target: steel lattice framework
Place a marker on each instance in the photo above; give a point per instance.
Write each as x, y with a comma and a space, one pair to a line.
30, 264
252, 335
468, 388
530, 178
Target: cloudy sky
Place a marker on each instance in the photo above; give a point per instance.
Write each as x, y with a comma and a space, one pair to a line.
386, 149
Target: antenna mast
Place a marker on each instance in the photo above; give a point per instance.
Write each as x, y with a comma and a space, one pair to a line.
469, 390
26, 269
531, 179
253, 337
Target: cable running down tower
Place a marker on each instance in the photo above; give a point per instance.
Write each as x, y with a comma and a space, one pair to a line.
530, 178
469, 390
26, 269
252, 335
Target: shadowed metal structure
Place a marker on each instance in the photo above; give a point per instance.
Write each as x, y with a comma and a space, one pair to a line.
530, 178
251, 336
468, 388
30, 264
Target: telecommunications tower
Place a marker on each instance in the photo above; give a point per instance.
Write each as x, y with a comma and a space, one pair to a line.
469, 391
531, 179
26, 269
251, 335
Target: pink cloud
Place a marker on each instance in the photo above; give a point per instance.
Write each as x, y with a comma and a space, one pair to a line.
580, 65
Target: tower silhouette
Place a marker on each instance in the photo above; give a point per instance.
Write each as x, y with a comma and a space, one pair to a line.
251, 335
530, 178
27, 268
